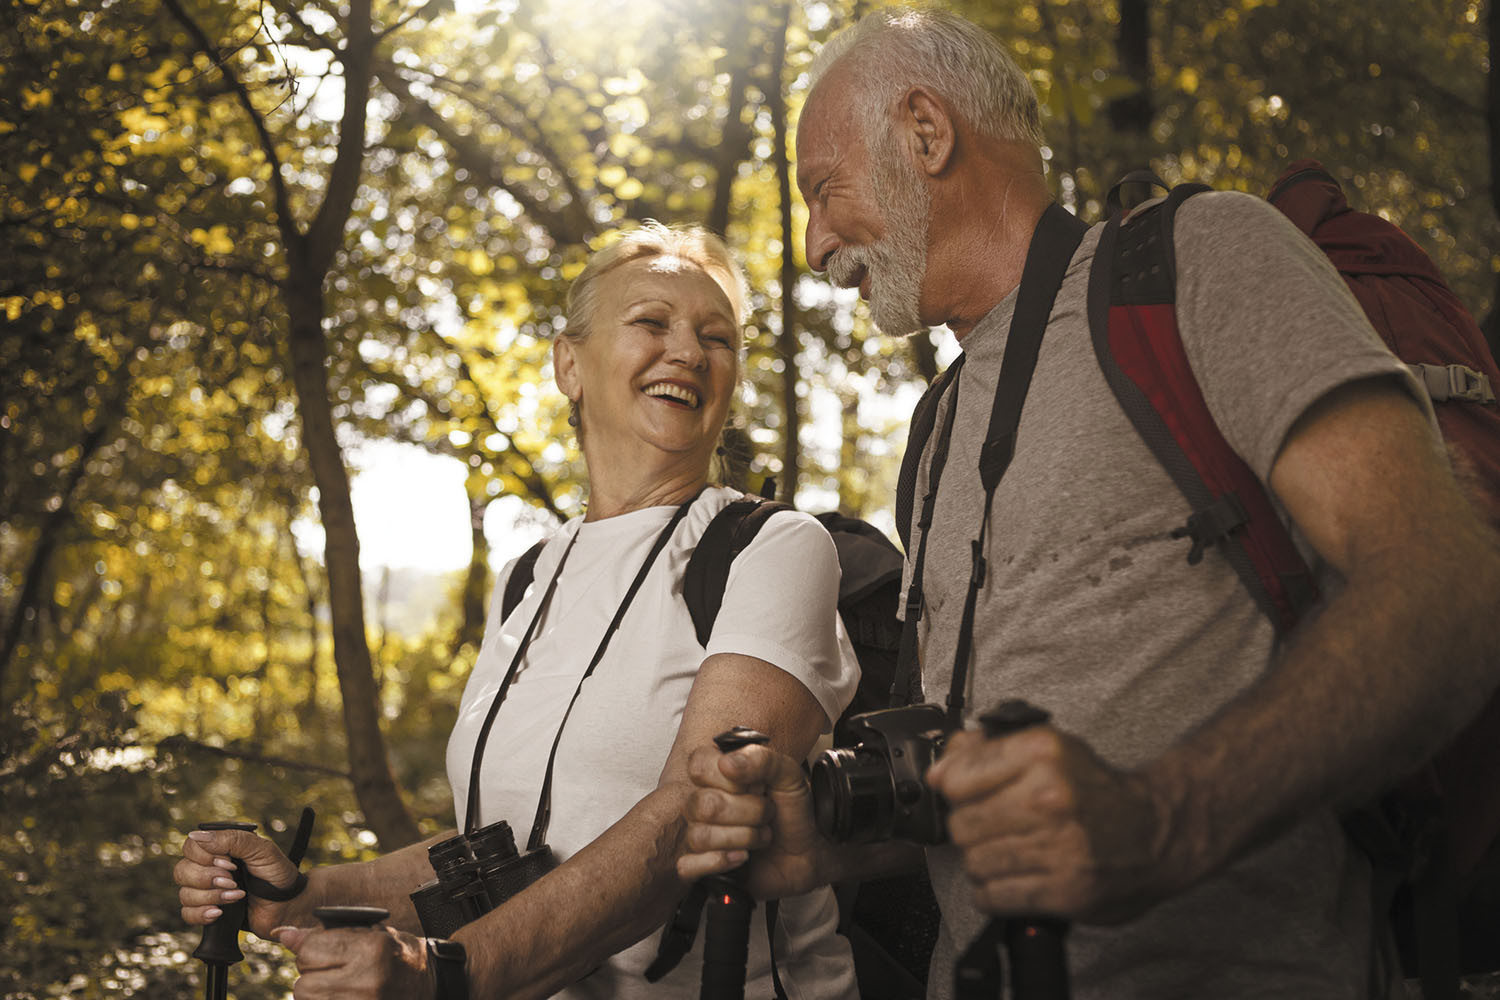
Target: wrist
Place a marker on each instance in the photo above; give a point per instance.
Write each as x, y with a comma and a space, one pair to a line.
449, 964
1178, 845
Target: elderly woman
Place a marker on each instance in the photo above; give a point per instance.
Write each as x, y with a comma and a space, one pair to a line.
650, 363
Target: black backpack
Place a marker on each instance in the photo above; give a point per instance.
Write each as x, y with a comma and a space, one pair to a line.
891, 923
869, 590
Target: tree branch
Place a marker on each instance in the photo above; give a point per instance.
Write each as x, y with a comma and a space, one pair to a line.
284, 219
327, 229
477, 99
477, 159
179, 743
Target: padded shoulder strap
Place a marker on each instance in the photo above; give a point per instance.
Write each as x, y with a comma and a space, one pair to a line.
707, 573
1132, 306
922, 420
520, 578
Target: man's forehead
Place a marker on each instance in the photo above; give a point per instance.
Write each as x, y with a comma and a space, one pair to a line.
823, 120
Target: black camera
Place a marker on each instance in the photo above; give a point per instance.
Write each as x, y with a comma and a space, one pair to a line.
874, 790
475, 874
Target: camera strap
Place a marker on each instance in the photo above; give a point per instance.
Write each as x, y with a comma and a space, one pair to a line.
1056, 238
544, 805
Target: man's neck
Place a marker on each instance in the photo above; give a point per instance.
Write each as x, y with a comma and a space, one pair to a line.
982, 230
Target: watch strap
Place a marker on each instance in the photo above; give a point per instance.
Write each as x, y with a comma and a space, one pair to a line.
449, 964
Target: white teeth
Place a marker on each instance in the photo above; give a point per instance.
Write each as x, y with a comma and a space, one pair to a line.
677, 392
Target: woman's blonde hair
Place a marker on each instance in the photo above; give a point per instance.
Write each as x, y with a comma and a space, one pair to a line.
691, 244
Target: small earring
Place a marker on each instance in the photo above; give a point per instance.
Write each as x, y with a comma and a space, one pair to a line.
573, 413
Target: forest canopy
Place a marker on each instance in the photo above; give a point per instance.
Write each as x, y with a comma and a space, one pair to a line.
242, 237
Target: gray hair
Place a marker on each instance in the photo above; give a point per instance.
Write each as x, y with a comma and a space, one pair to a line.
897, 48
691, 244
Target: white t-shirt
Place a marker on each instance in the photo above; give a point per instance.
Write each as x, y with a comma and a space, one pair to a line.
780, 605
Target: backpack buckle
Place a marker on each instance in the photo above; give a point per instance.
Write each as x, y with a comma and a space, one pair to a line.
1445, 382
1211, 523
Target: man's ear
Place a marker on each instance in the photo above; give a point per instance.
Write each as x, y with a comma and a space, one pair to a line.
565, 368
930, 127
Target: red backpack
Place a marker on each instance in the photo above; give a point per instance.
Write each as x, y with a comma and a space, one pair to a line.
1437, 827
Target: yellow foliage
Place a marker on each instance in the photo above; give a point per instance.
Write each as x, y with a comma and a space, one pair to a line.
116, 680
479, 262
215, 239
27, 172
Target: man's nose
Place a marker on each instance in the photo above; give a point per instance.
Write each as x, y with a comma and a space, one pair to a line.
821, 243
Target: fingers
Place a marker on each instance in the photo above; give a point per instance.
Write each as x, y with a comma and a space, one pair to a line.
973, 766
262, 857
204, 885
355, 962
692, 867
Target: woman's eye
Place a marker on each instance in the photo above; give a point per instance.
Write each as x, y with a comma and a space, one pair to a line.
651, 321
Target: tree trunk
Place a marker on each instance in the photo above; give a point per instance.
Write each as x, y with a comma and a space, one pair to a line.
735, 141
924, 355
29, 600
1492, 121
369, 769
471, 628
1132, 113
787, 346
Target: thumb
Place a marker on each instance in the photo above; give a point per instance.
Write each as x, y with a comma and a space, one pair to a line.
760, 767
291, 937
772, 771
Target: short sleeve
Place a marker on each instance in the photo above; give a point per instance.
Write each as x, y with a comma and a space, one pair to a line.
781, 606
1268, 325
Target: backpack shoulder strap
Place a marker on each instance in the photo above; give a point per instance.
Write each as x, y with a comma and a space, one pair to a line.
707, 572
520, 578
1132, 302
923, 419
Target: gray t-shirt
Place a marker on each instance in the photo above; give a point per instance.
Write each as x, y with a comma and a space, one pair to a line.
1090, 610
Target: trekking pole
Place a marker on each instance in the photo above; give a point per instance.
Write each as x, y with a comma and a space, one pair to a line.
726, 931
334, 917
1034, 945
220, 947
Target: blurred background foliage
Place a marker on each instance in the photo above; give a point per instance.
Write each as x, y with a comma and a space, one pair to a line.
241, 238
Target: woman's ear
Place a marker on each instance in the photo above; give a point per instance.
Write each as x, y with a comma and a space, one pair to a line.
565, 368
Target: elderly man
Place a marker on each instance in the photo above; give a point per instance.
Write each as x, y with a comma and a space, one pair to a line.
1182, 807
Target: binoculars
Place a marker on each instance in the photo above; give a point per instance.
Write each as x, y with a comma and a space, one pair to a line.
475, 873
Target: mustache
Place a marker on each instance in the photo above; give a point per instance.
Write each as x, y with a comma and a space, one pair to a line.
844, 266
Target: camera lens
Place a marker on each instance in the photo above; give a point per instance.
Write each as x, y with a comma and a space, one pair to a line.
493, 844
458, 874
853, 795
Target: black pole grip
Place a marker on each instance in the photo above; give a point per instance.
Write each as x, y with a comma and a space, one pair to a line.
1038, 958
740, 736
1035, 945
726, 921
221, 939
726, 938
334, 917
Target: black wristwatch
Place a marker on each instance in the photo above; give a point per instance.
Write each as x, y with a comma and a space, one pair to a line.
449, 962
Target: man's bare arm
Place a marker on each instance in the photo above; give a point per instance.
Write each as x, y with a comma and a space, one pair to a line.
1388, 670
1385, 672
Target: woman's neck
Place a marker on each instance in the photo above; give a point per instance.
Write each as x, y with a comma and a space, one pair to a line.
612, 495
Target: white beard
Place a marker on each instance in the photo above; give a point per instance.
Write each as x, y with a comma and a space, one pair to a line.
897, 263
